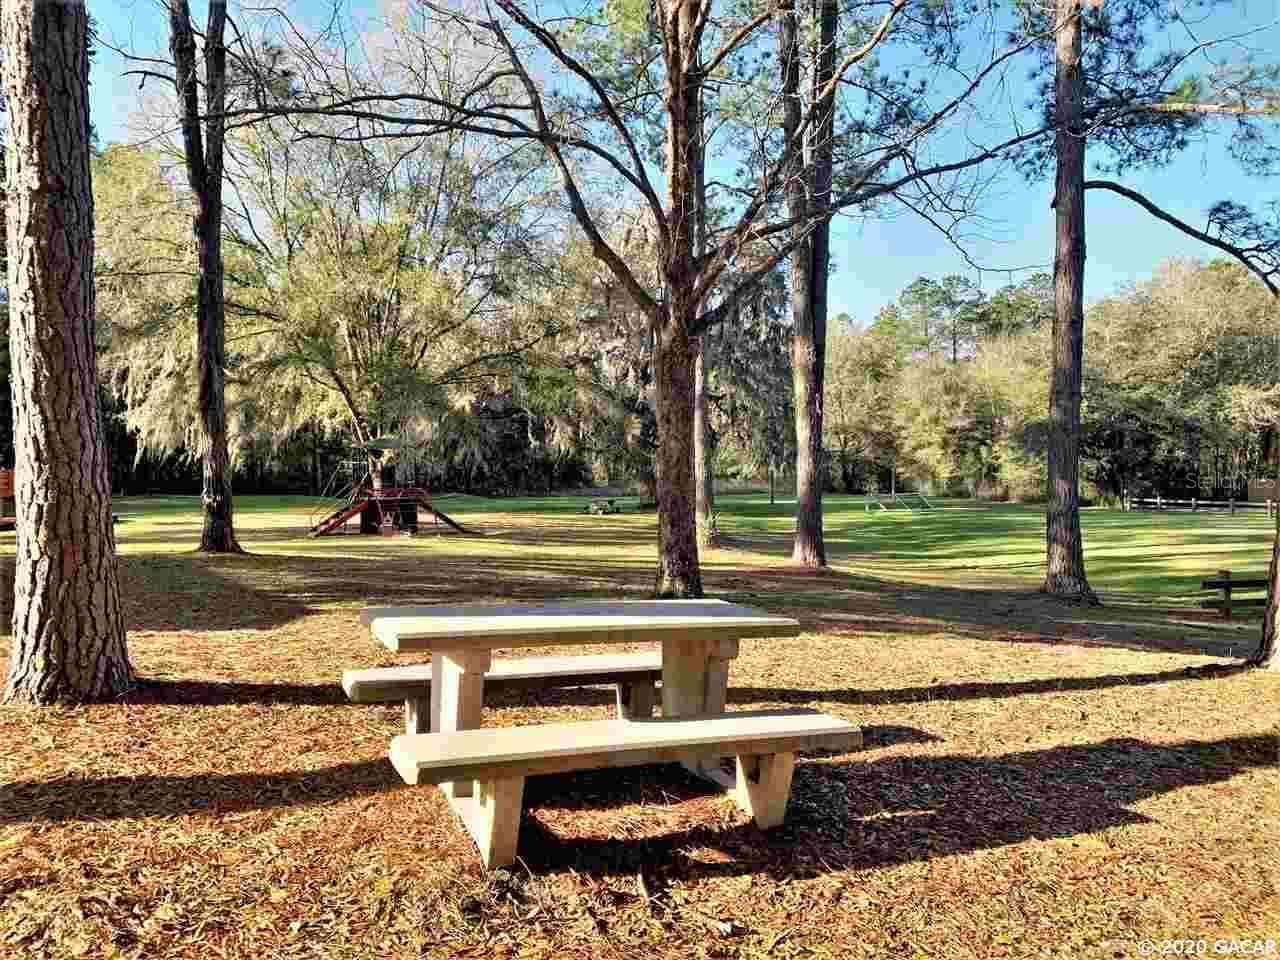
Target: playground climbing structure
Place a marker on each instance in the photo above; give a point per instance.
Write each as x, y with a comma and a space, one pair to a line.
379, 509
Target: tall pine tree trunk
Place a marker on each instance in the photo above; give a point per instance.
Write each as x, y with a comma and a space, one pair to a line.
809, 269
679, 573
68, 629
203, 151
1065, 574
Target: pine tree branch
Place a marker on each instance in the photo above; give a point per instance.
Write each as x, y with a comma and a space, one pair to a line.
1239, 253
1227, 109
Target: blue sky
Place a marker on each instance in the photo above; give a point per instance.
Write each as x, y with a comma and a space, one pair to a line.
874, 259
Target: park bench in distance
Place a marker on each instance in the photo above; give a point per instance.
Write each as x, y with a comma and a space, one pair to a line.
498, 759
634, 676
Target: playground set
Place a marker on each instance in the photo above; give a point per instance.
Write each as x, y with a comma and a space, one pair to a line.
355, 492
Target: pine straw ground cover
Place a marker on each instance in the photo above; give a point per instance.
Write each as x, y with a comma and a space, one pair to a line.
1035, 780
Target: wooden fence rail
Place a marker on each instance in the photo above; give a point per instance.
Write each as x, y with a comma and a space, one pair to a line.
1195, 504
1226, 584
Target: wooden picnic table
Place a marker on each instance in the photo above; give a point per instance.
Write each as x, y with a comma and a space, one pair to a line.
698, 639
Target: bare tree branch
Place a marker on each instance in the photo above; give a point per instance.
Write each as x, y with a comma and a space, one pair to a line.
1239, 253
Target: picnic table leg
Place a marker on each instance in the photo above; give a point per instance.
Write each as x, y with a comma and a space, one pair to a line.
417, 715
695, 680
635, 700
763, 785
459, 675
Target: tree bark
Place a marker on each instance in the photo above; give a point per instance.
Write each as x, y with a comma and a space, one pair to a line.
679, 573
1268, 655
203, 151
68, 628
703, 475
809, 269
1064, 567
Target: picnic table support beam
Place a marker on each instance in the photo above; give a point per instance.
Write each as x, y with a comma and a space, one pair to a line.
761, 788
492, 817
763, 785
417, 714
636, 700
460, 699
695, 680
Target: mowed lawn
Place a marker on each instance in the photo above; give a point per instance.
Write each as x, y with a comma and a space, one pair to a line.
1036, 779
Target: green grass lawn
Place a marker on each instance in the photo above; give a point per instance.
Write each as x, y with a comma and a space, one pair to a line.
1155, 554
963, 543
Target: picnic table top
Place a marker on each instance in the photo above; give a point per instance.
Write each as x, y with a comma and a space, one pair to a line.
481, 625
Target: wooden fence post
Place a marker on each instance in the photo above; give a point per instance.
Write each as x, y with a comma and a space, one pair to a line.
1225, 575
1159, 505
1232, 503
1193, 505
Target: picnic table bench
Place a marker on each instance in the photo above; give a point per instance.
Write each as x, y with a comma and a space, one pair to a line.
481, 771
633, 675
763, 744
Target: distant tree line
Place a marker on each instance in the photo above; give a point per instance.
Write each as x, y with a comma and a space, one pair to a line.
948, 386
943, 391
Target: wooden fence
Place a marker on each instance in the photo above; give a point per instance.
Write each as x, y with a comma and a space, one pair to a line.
1225, 584
1195, 505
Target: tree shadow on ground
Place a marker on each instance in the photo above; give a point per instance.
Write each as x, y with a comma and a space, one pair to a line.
115, 798
195, 592
205, 693
861, 815
564, 532
837, 601
200, 592
844, 814
977, 690
216, 692
191, 591
127, 797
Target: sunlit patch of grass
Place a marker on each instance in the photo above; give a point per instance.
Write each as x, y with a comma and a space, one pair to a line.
1134, 554
1129, 553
